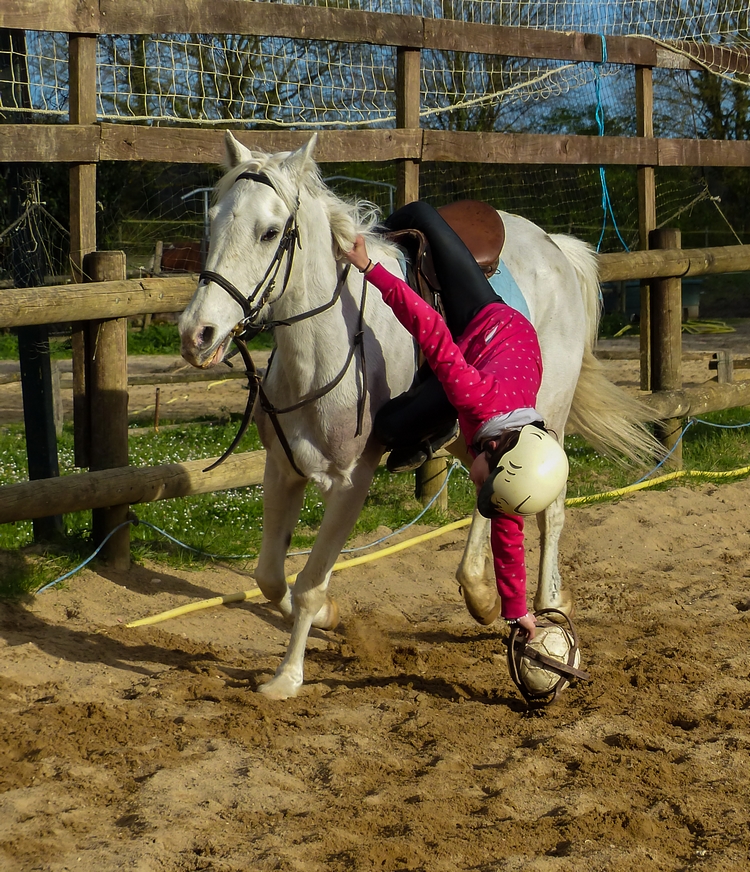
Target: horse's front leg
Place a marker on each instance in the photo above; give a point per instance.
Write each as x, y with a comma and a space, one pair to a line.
479, 591
311, 605
549, 592
282, 503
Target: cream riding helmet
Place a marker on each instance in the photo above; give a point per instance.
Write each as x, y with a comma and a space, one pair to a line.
528, 471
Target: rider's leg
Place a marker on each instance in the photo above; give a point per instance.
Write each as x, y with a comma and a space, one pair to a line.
465, 289
416, 423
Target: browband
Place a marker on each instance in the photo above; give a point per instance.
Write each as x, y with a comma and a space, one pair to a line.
255, 177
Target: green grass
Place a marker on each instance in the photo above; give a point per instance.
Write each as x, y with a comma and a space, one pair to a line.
225, 523
60, 347
612, 324
157, 338
229, 523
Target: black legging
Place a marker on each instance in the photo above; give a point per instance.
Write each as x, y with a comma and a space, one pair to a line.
465, 289
424, 411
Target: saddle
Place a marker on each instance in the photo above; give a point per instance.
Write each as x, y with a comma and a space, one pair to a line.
477, 224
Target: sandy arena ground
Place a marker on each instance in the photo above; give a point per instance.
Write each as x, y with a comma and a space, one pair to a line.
409, 748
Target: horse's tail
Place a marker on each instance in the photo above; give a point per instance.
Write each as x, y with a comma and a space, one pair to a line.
602, 413
583, 259
610, 419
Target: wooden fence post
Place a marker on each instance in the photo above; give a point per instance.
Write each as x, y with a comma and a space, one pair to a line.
430, 476
724, 367
25, 262
82, 180
646, 183
408, 91
666, 340
107, 392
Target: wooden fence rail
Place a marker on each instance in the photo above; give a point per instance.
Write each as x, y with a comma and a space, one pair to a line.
126, 486
133, 297
92, 17
85, 141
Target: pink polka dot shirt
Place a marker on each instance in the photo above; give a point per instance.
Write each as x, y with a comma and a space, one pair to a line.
494, 367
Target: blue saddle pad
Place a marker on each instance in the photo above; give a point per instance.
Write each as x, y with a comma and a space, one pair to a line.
504, 285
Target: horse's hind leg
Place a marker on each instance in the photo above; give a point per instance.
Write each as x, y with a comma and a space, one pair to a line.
311, 604
479, 591
549, 592
282, 502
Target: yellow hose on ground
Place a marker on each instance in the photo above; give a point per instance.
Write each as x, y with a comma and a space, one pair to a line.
241, 596
680, 473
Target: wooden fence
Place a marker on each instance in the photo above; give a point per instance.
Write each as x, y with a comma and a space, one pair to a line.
127, 298
83, 142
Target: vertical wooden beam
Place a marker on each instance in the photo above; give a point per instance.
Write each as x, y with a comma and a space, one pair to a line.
646, 181
26, 264
82, 89
724, 367
107, 352
430, 477
39, 418
666, 340
408, 93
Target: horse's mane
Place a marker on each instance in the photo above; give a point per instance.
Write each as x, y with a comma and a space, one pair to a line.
361, 213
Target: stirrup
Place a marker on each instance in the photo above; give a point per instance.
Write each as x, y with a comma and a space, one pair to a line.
411, 457
406, 459
441, 440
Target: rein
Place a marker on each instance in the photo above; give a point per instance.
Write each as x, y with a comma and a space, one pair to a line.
357, 341
245, 329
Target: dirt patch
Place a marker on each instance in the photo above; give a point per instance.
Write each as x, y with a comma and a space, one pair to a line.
409, 748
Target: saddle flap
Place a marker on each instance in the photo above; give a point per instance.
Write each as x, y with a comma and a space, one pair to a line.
420, 270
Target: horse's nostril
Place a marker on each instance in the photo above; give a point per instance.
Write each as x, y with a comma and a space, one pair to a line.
206, 336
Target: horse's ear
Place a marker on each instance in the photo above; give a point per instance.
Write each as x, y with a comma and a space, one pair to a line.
236, 152
300, 162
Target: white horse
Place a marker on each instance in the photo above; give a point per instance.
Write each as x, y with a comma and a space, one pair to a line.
341, 353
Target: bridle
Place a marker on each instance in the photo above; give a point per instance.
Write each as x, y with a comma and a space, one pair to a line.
246, 329
252, 304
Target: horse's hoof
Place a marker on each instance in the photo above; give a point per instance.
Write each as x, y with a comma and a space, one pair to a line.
565, 604
328, 617
483, 606
280, 687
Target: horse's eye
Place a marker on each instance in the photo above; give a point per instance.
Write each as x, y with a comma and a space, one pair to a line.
270, 235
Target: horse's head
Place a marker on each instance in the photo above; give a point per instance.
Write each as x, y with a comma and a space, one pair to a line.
254, 235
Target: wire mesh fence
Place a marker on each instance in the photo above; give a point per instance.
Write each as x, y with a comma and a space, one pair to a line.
259, 83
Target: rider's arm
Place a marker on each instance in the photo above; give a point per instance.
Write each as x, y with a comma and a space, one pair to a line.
464, 385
